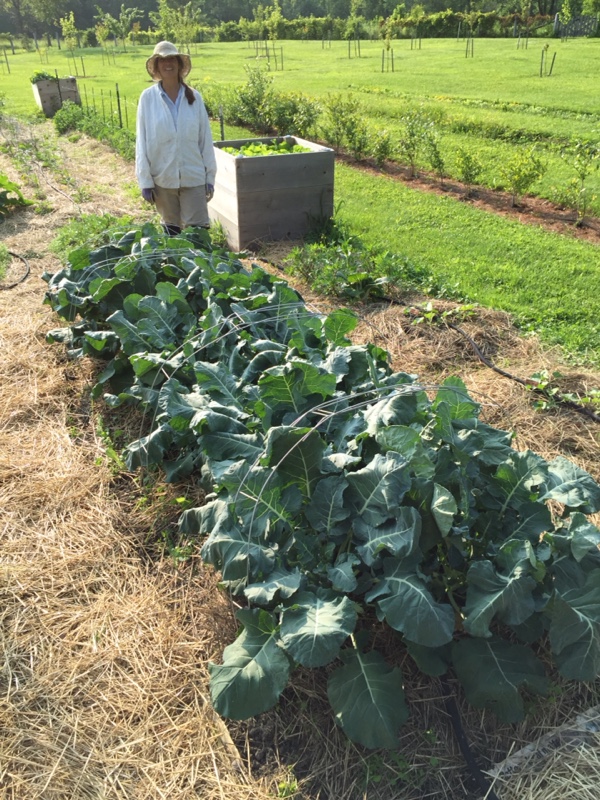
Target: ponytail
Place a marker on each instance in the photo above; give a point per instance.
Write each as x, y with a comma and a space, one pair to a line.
189, 93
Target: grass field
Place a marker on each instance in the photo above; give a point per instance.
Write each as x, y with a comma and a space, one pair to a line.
492, 103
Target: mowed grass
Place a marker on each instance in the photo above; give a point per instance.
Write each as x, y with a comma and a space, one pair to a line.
550, 282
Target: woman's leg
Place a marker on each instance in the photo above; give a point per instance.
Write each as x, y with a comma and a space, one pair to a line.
194, 208
168, 206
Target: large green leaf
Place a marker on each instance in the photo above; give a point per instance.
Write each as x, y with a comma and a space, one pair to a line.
492, 672
227, 446
585, 537
341, 574
367, 698
453, 393
398, 537
281, 583
255, 669
314, 628
339, 324
377, 490
238, 556
490, 594
519, 479
295, 386
575, 626
404, 600
573, 486
326, 512
296, 454
218, 382
443, 508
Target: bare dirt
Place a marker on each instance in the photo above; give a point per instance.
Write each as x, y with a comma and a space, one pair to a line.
105, 639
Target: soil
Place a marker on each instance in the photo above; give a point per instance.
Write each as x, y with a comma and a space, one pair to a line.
76, 534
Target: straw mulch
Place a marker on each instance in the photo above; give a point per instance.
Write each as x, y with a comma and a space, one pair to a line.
105, 641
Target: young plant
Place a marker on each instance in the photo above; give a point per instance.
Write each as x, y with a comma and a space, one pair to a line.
412, 138
469, 168
342, 116
431, 142
585, 159
520, 172
381, 148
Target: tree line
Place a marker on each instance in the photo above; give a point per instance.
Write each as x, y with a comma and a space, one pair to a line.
36, 18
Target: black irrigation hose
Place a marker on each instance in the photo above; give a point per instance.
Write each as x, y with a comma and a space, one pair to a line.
24, 276
483, 785
560, 400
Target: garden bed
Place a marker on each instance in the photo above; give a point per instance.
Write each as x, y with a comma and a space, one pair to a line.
274, 197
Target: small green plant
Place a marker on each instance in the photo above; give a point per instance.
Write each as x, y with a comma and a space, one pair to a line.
343, 116
88, 230
11, 196
585, 159
469, 168
288, 787
520, 172
431, 143
381, 148
41, 75
412, 138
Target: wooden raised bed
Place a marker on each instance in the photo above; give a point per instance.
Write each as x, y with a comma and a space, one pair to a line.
51, 94
270, 198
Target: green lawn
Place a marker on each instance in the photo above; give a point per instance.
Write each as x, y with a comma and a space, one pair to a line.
551, 282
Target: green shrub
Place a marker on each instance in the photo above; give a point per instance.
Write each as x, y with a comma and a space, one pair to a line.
520, 172
69, 117
468, 166
381, 147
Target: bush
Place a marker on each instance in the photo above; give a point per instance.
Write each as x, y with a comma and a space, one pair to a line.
69, 117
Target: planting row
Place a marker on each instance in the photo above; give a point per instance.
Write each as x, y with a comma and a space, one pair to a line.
340, 492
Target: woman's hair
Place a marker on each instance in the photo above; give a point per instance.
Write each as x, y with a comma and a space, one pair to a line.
189, 93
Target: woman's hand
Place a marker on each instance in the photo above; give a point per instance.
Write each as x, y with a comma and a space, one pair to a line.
148, 195
210, 192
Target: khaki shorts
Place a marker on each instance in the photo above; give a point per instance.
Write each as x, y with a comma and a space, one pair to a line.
182, 207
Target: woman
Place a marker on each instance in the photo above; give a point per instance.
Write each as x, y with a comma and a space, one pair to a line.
175, 161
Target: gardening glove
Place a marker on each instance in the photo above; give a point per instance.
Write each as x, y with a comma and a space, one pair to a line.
148, 195
210, 192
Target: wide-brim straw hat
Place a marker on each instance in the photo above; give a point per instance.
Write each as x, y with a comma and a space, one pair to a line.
163, 50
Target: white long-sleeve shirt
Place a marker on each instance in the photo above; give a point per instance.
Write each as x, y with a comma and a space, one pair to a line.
173, 155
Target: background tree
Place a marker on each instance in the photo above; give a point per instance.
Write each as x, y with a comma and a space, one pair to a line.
69, 31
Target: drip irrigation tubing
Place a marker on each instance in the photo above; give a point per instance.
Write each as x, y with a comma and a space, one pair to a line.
453, 712
529, 384
24, 276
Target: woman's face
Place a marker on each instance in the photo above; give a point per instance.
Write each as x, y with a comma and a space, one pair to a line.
168, 67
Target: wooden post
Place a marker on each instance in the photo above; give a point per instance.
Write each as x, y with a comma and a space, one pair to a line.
58, 87
6, 59
119, 105
552, 64
82, 66
542, 62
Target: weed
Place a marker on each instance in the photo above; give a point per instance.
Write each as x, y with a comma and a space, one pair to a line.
288, 787
91, 230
